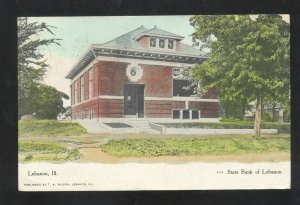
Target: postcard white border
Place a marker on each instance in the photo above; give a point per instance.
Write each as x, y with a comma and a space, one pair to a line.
156, 176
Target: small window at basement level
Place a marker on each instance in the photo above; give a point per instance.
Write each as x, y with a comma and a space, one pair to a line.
152, 42
170, 44
161, 43
91, 114
185, 114
195, 114
176, 114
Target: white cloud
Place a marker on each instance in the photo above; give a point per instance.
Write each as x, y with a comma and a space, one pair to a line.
55, 76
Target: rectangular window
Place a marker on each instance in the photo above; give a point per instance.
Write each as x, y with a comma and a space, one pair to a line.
184, 88
71, 91
75, 88
153, 42
171, 44
176, 114
195, 114
81, 88
91, 114
161, 43
185, 114
73, 94
91, 84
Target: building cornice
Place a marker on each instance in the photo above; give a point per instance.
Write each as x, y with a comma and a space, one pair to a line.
84, 60
108, 50
159, 56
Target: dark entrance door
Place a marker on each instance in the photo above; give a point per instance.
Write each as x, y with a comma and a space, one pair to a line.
134, 100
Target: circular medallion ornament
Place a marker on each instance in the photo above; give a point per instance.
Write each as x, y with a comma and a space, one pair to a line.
134, 72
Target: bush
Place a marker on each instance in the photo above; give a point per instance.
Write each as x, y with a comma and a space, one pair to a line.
282, 127
153, 147
42, 151
266, 117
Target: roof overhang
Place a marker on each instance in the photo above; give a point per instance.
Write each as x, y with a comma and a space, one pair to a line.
94, 51
85, 59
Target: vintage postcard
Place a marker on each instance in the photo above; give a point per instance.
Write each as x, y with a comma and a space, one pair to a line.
198, 102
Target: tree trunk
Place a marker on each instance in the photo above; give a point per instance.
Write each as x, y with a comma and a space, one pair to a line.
257, 117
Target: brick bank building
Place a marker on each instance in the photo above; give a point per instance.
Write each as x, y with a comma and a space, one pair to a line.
140, 75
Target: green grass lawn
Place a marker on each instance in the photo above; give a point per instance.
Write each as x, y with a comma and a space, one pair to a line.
49, 128
54, 147
221, 145
45, 151
58, 139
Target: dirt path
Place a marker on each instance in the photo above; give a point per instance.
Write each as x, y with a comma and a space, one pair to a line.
95, 154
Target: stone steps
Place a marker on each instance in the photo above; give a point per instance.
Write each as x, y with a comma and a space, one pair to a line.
142, 125
138, 126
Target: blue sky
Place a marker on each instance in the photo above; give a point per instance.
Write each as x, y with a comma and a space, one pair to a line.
77, 33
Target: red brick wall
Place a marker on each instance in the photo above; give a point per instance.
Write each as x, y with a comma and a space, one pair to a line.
112, 77
178, 105
144, 41
85, 107
158, 109
107, 108
78, 90
111, 108
208, 109
158, 81
109, 79
177, 44
153, 108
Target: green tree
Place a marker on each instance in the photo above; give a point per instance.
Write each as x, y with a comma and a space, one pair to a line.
45, 101
249, 59
49, 102
32, 67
